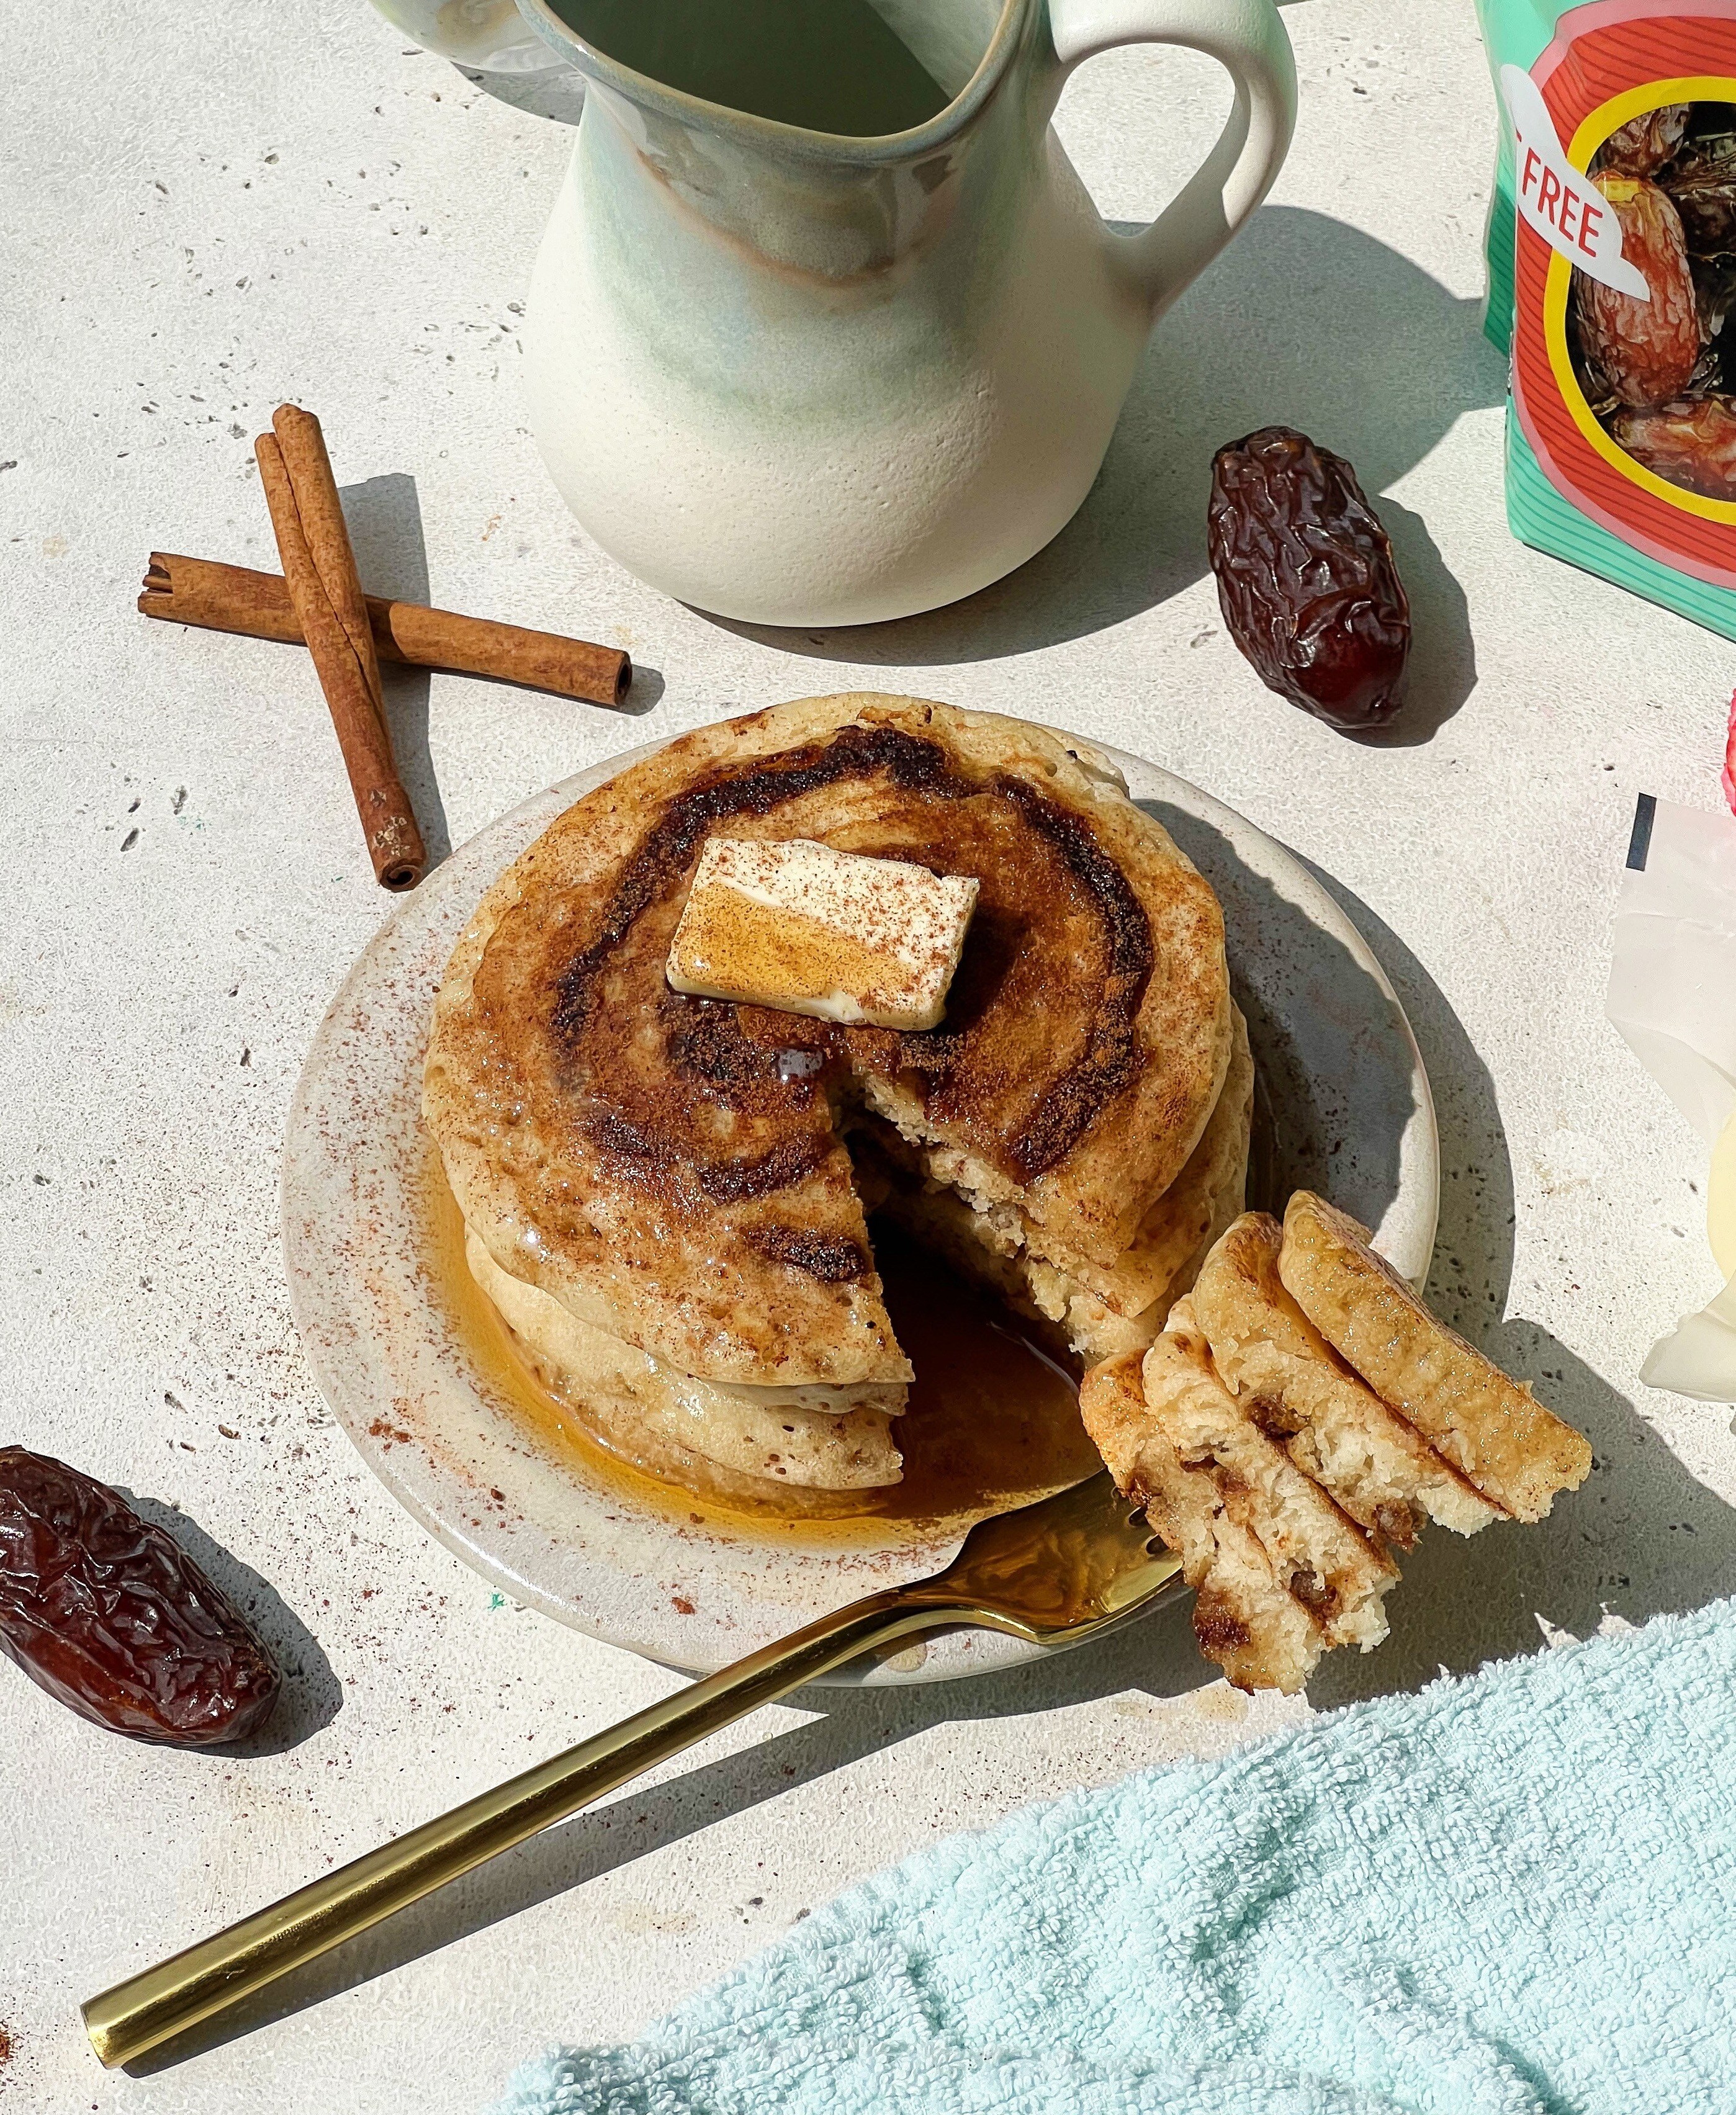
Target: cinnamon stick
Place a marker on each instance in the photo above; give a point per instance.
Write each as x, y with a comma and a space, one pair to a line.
319, 571
327, 535
220, 598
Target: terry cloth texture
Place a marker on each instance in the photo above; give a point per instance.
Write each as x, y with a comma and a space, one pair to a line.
1513, 1894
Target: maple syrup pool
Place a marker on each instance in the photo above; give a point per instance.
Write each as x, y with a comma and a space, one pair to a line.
992, 1422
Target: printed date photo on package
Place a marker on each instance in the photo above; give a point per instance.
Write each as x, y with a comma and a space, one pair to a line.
1612, 277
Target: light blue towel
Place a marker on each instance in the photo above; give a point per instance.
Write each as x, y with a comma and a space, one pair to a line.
1513, 1892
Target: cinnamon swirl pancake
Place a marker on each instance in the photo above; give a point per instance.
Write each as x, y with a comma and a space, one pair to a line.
676, 1174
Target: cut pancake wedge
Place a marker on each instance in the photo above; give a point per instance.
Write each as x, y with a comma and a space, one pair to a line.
764, 1437
1514, 1450
1279, 1473
1279, 1572
1093, 1311
1245, 1620
1317, 1552
1294, 1387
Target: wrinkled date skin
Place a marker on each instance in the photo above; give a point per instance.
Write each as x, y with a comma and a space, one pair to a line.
1642, 146
1701, 184
1704, 200
1643, 352
1714, 290
1306, 578
111, 1616
1692, 444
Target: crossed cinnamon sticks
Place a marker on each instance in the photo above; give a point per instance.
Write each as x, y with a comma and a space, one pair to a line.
318, 602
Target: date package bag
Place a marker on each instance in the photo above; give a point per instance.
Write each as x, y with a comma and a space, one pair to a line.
1612, 284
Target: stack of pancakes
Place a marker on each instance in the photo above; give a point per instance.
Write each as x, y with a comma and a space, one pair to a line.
1303, 1416
666, 1196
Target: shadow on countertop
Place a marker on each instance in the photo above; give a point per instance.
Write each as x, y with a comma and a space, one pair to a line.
385, 517
1230, 357
312, 1695
1640, 1538
1155, 1655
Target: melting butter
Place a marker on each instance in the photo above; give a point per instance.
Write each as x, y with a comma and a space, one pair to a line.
799, 927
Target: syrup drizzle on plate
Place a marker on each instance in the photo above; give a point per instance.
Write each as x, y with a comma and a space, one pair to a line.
992, 1422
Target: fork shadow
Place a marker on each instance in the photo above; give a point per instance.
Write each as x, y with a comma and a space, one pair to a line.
1154, 1653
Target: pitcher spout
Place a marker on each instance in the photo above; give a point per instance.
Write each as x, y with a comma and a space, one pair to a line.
827, 332
849, 82
833, 206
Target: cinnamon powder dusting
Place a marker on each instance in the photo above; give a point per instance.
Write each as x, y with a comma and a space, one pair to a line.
795, 925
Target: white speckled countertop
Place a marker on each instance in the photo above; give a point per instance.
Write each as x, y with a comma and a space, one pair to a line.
200, 220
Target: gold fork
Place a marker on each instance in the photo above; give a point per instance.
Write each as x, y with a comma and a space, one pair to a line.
1056, 1573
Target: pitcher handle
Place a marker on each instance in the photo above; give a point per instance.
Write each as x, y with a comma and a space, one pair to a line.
1247, 39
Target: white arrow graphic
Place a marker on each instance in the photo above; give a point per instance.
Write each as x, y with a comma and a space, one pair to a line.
1567, 209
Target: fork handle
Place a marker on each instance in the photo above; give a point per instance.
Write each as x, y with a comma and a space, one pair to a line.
150, 2008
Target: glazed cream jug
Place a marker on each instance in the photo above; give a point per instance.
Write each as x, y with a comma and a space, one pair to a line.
824, 328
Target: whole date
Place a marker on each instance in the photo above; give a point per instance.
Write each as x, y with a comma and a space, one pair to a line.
1643, 146
1691, 444
1306, 578
111, 1616
1641, 353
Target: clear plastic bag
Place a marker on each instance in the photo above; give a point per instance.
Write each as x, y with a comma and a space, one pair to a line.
1672, 995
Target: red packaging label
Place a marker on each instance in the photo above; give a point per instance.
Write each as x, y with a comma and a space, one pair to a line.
1610, 64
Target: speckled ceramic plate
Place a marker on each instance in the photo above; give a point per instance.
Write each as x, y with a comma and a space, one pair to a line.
415, 1386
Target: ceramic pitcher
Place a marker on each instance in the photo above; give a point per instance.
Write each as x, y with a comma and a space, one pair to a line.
797, 377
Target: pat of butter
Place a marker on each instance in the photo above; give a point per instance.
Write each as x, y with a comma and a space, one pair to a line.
802, 928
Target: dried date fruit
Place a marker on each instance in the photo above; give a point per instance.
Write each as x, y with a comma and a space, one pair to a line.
1708, 375
1306, 577
1691, 444
1715, 295
1702, 188
112, 1616
1642, 146
1642, 353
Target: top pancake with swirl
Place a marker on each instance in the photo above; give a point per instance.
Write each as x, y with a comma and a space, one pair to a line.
674, 1170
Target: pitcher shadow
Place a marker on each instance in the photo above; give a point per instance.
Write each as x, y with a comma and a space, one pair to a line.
311, 1695
384, 515
1365, 351
1641, 1537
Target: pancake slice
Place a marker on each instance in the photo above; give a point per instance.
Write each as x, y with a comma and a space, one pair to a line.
1092, 1312
812, 1437
1316, 1551
1245, 1620
1514, 1450
1303, 1381
1293, 1384
672, 1168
